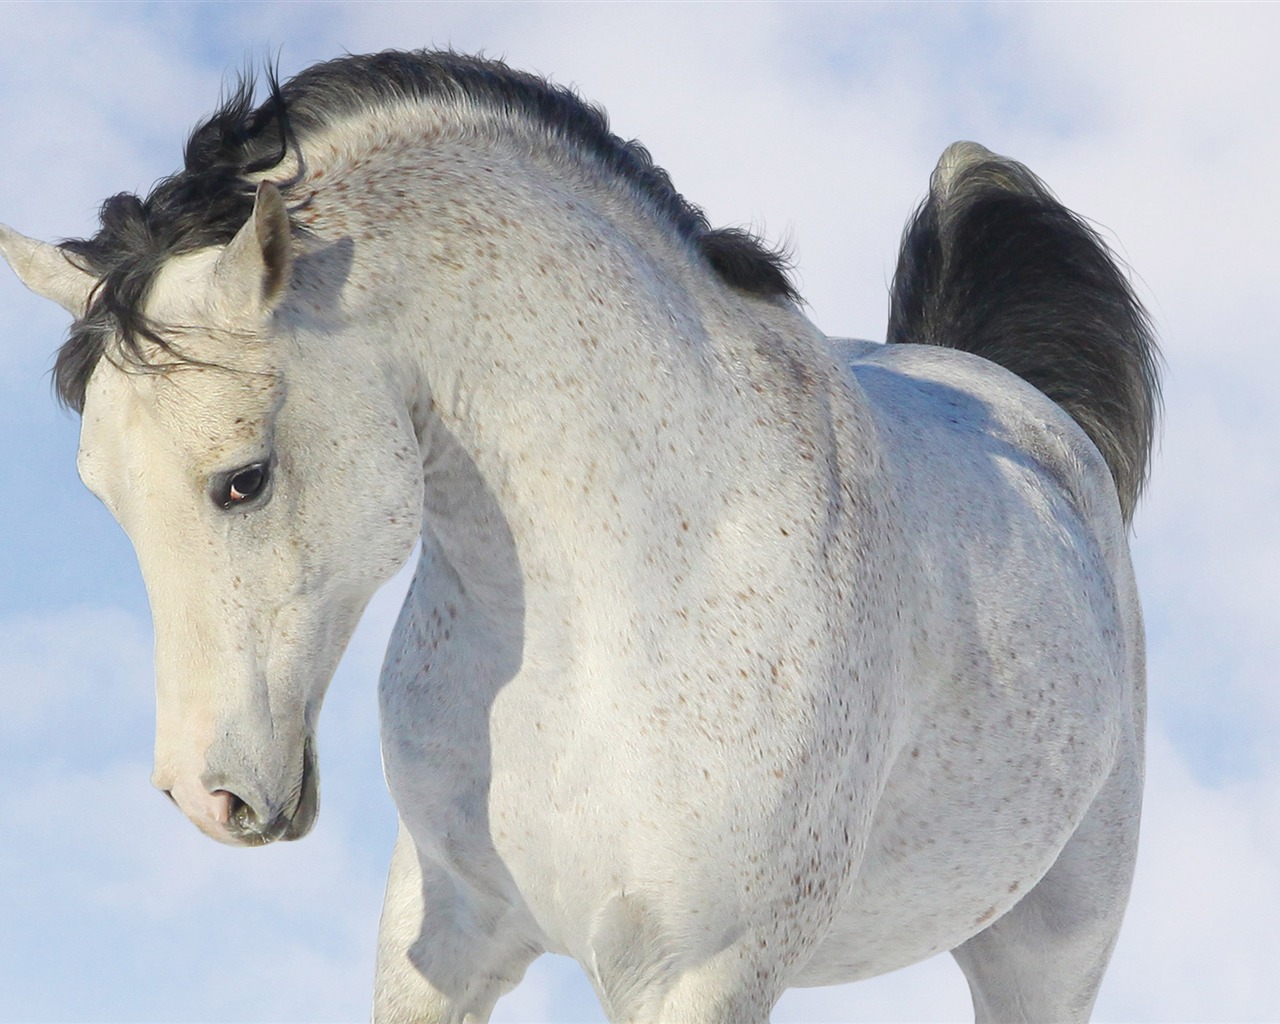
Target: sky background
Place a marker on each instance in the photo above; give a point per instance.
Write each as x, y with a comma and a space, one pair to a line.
818, 124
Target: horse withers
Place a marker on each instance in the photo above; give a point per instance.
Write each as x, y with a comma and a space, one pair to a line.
736, 657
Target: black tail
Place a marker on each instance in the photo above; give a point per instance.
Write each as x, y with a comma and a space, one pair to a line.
993, 264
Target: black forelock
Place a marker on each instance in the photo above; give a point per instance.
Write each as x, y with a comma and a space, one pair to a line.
211, 198
203, 205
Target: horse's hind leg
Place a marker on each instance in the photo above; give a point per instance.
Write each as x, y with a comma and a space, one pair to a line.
1044, 960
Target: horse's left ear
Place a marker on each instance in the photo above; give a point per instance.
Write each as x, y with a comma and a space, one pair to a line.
48, 271
255, 268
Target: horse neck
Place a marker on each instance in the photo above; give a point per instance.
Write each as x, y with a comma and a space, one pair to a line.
566, 350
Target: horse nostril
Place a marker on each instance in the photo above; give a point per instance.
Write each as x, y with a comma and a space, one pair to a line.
239, 815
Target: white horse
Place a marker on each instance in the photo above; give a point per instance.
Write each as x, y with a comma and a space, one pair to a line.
736, 657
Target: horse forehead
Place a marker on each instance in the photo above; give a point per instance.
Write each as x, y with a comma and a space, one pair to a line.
189, 305
216, 388
182, 291
140, 422
110, 418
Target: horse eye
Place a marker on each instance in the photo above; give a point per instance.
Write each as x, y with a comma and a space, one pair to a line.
242, 485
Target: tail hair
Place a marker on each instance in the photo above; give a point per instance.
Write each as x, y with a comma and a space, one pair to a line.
992, 263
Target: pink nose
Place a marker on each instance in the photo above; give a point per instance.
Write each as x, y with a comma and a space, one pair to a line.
220, 806
226, 817
212, 812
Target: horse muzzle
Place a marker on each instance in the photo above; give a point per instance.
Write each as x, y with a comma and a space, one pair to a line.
241, 813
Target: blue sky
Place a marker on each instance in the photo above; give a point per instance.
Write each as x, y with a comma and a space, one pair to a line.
819, 124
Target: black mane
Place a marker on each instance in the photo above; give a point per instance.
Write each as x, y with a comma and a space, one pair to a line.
211, 198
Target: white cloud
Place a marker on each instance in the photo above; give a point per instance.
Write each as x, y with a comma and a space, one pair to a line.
202, 931
81, 672
1200, 941
196, 931
91, 99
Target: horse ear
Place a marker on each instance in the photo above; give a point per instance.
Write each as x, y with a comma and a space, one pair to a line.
48, 271
255, 268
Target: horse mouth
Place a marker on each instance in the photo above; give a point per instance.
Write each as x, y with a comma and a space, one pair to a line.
307, 805
294, 820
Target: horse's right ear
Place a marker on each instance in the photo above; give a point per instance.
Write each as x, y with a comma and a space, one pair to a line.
255, 268
48, 271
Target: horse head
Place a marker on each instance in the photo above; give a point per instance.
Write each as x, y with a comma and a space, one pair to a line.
268, 488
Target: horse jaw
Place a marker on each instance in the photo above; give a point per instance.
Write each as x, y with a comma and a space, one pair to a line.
48, 270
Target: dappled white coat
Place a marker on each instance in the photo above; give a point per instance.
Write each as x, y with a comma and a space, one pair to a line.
735, 658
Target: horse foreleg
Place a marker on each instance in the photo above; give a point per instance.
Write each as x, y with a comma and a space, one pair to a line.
436, 964
730, 988
1044, 959
644, 974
